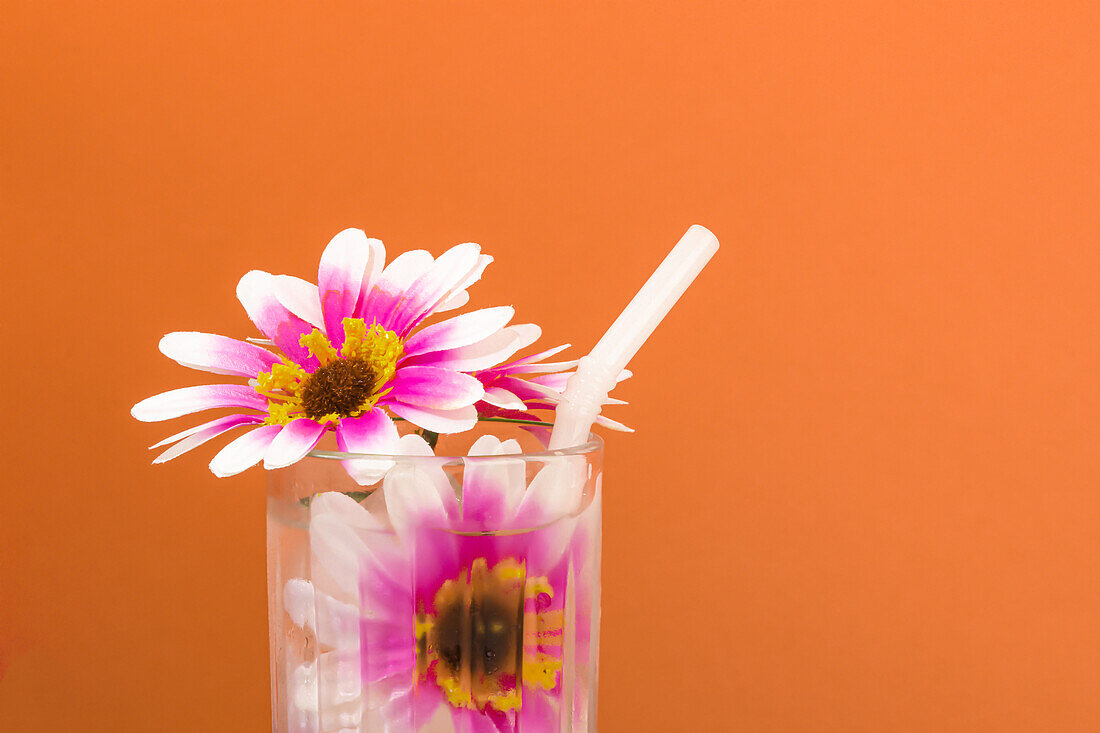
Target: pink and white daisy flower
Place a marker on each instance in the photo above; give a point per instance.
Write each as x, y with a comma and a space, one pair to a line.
515, 390
474, 615
352, 354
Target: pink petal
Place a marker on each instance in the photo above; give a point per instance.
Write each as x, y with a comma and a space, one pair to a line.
469, 328
256, 291
475, 721
484, 354
293, 442
491, 489
186, 400
537, 714
387, 649
528, 390
197, 436
301, 298
390, 286
244, 452
218, 354
371, 433
438, 421
434, 286
441, 389
411, 709
344, 267
556, 381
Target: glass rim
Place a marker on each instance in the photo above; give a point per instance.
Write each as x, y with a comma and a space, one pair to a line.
593, 445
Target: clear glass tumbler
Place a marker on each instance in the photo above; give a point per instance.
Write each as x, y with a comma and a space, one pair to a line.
456, 594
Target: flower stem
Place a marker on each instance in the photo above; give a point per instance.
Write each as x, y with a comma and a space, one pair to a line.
513, 420
430, 437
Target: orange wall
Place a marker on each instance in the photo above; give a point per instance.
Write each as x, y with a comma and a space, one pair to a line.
863, 494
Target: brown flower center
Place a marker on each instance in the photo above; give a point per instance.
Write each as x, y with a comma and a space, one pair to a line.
340, 387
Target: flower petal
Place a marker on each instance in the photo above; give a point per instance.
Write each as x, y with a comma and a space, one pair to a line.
218, 354
484, 354
528, 389
293, 442
389, 288
491, 489
457, 300
538, 715
186, 400
244, 452
301, 298
415, 445
555, 381
554, 492
532, 358
516, 367
373, 432
412, 708
433, 287
256, 291
503, 399
613, 424
438, 421
345, 265
347, 510
469, 328
205, 432
429, 386
199, 428
413, 502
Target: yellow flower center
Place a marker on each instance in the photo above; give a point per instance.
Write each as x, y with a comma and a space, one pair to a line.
483, 644
346, 384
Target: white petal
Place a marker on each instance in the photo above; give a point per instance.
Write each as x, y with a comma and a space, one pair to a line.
209, 431
244, 452
413, 502
454, 302
300, 297
555, 491
613, 424
344, 509
503, 399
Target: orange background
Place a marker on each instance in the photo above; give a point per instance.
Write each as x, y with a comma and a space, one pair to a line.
863, 494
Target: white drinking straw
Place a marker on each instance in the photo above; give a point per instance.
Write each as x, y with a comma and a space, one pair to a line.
597, 373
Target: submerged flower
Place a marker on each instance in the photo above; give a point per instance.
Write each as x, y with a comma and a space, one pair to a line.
351, 355
479, 610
